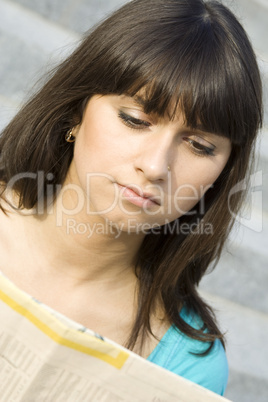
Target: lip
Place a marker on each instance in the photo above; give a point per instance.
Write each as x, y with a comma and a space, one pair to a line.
137, 197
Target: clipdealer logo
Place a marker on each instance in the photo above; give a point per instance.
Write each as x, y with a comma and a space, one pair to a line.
251, 216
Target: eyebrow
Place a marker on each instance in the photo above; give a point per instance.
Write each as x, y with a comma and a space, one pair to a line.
139, 100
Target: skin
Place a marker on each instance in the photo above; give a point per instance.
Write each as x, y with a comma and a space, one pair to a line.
136, 153
120, 147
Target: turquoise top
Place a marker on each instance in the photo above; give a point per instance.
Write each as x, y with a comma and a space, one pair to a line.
173, 353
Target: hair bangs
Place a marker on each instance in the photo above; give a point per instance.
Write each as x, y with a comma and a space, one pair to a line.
201, 87
195, 72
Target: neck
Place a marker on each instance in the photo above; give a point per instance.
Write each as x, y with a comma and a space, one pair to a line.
87, 248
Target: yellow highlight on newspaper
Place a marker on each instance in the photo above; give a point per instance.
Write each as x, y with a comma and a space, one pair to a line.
112, 355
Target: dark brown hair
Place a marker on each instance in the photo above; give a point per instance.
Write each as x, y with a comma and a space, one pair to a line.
187, 53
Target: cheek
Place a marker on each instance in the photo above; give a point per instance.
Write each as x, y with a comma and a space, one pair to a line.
89, 137
89, 151
204, 172
104, 142
192, 183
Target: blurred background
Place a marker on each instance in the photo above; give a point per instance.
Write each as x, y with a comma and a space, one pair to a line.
34, 37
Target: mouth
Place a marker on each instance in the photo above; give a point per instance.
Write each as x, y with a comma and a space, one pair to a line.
137, 197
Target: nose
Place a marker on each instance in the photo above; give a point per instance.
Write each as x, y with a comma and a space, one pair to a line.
155, 157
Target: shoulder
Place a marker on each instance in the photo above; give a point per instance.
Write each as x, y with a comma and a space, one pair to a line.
180, 354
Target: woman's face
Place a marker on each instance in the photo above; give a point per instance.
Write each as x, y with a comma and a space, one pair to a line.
138, 170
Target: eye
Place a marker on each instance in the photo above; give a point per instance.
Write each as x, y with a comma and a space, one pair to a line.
199, 148
133, 122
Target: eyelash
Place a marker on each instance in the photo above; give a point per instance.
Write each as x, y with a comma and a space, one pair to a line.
132, 122
138, 124
199, 149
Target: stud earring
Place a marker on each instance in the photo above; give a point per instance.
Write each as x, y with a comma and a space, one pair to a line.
168, 168
69, 137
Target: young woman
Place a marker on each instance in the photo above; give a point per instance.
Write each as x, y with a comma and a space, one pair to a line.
116, 176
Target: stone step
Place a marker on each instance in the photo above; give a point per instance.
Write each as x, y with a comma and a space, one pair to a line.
263, 64
33, 29
8, 109
30, 45
246, 388
241, 276
76, 15
247, 349
253, 15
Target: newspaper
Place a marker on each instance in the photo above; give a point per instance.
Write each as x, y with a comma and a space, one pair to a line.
44, 356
